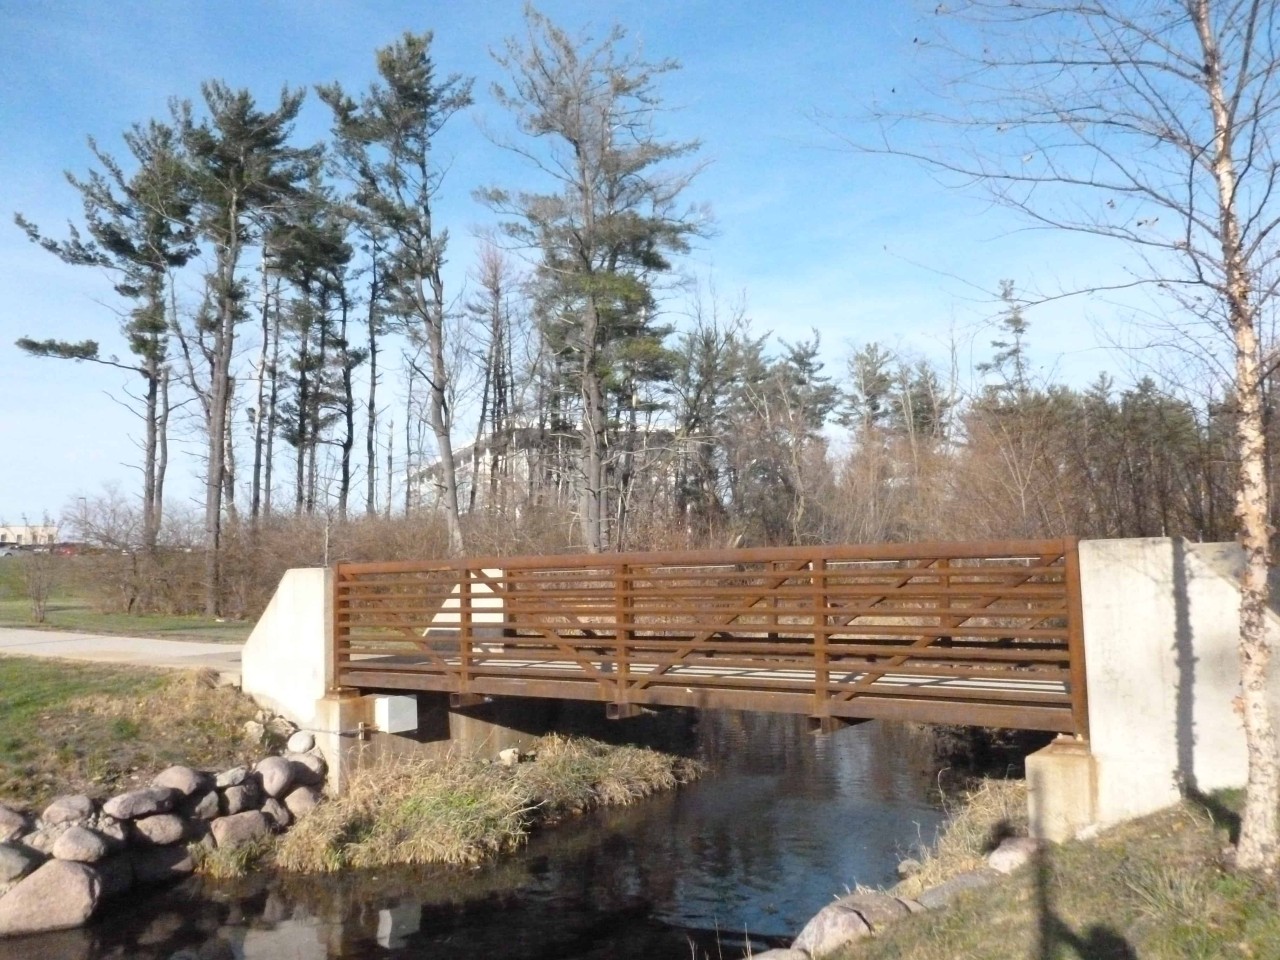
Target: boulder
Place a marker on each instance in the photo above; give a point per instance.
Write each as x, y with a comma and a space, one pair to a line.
160, 864
878, 909
908, 868
276, 774
943, 893
239, 828
44, 838
300, 742
114, 831
76, 808
1012, 853
139, 803
302, 801
831, 928
81, 845
277, 813
308, 769
58, 895
183, 779
247, 796
781, 953
254, 731
159, 830
12, 824
231, 778
117, 875
201, 806
16, 861
280, 728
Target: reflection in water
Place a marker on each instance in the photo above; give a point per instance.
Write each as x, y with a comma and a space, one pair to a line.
784, 822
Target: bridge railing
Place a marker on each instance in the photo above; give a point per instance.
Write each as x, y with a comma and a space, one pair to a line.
976, 633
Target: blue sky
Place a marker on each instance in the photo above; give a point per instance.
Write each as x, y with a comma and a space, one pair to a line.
807, 234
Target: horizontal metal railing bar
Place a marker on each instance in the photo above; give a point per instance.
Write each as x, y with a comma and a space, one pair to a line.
994, 549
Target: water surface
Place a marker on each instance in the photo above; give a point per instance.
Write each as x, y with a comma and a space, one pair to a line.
783, 822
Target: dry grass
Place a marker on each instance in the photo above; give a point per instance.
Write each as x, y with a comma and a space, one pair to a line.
979, 821
464, 810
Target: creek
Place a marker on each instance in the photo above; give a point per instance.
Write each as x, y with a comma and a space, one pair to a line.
782, 822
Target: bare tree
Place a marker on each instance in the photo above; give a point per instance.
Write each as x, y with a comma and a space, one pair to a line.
1151, 125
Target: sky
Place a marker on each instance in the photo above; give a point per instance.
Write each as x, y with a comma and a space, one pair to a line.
808, 234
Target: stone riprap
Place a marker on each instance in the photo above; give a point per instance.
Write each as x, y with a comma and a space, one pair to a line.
58, 868
866, 914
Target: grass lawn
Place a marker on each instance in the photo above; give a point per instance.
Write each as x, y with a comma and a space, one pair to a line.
71, 608
86, 728
1155, 889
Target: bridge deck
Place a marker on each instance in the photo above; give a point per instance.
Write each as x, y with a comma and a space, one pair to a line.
959, 633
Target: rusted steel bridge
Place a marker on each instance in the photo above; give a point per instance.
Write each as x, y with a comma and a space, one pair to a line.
985, 633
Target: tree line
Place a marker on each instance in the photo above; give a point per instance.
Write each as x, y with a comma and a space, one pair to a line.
557, 386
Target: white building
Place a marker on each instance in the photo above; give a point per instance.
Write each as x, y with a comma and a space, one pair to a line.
28, 534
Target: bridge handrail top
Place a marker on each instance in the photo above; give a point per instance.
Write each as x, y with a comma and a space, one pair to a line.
931, 550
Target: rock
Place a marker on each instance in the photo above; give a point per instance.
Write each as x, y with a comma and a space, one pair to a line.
913, 906
183, 779
231, 778
12, 824
201, 806
58, 895
44, 838
878, 909
943, 893
81, 845
254, 731
832, 927
76, 808
302, 801
16, 861
277, 813
239, 828
139, 803
308, 769
116, 874
276, 774
509, 757
300, 742
1012, 853
247, 796
114, 831
160, 864
908, 868
782, 953
159, 830
281, 728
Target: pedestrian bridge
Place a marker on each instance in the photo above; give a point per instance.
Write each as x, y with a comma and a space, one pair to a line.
986, 633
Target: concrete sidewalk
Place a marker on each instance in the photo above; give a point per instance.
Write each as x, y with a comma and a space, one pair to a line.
134, 651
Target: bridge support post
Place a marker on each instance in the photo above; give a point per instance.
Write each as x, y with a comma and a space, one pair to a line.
1062, 790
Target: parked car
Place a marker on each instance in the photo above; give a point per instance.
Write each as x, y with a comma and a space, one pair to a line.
6, 550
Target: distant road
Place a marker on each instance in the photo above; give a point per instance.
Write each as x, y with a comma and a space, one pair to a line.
133, 651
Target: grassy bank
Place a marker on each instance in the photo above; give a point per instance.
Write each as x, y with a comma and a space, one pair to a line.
1154, 889
463, 810
86, 728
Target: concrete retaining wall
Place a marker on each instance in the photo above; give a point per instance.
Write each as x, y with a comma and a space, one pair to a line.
286, 660
1161, 625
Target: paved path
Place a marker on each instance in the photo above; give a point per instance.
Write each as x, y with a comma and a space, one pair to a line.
138, 651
